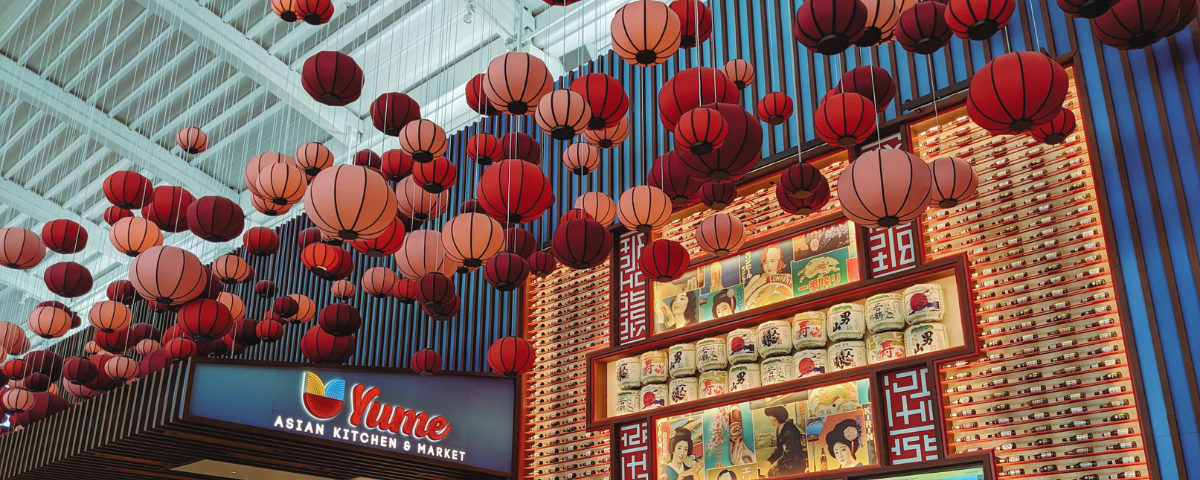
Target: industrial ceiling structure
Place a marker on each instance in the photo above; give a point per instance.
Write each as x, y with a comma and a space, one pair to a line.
91, 87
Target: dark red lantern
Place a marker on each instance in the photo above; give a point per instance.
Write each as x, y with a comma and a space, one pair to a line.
471, 206
845, 119
695, 22
1086, 8
68, 279
367, 158
802, 206
872, 82
383, 245
308, 237
405, 290
244, 333
426, 362
265, 289
581, 243
829, 27
520, 241
321, 347
521, 146
436, 176
978, 19
394, 165
127, 189
121, 291
736, 157
542, 263
268, 330
332, 78
477, 98
180, 348
666, 174
445, 311
204, 320
605, 96
14, 369
514, 191
692, 88
1136, 23
484, 149
1188, 9
321, 259
506, 271
392, 111
79, 370
216, 219
923, 29
664, 260
434, 290
718, 195
775, 108
343, 270
1016, 91
314, 12
700, 130
168, 208
511, 356
1057, 129
261, 241
339, 319
575, 214
64, 236
285, 307
114, 214
801, 180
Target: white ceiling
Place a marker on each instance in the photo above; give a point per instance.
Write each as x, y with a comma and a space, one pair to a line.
89, 87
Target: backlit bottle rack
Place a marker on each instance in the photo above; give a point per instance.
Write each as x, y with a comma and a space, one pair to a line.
1051, 393
568, 315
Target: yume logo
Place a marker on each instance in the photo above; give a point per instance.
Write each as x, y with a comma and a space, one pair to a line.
323, 400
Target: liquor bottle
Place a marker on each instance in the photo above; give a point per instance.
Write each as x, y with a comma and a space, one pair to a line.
824, 462
1125, 460
1122, 446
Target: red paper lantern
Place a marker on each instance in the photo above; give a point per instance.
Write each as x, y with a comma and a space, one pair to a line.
815, 201
801, 180
14, 369
20, 248
392, 111
740, 72
736, 157
423, 140
644, 208
386, 244
721, 234
350, 202
1057, 129
775, 108
605, 97
261, 241
167, 275
610, 136
471, 238
68, 279
339, 319
112, 215
426, 362
205, 320
321, 347
872, 82
231, 269
598, 206
421, 253
435, 176
695, 22
49, 322
134, 235
332, 78
216, 219
562, 114
434, 290
109, 316
168, 208
519, 241
268, 208
395, 165
268, 330
378, 282
366, 158
477, 98
514, 191
257, 163
845, 119
506, 271
882, 16
265, 289
511, 356
1136, 23
313, 12
213, 287
414, 202
954, 181
829, 27
285, 307
666, 174
1086, 8
884, 188
521, 146
244, 334
700, 130
1188, 9
484, 149
581, 243
405, 290
718, 195
645, 32
581, 158
18, 400
64, 236
692, 88
923, 29
542, 263
1016, 91
664, 260
127, 189
321, 259
121, 291
313, 157
978, 19
342, 289
282, 183
233, 303
516, 82
445, 311
192, 140
308, 237
79, 371
180, 348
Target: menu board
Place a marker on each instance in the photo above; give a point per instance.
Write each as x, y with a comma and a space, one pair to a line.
809, 262
821, 429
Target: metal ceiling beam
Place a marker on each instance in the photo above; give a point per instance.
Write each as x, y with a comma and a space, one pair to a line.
118, 137
101, 59
65, 55
366, 21
55, 26
511, 19
54, 165
151, 84
35, 153
21, 21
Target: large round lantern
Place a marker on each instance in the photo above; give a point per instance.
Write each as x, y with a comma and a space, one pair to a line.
514, 191
310, 236
1086, 8
435, 176
322, 259
121, 368
307, 308
134, 235
562, 114
147, 346
269, 330
394, 165
610, 136
721, 234
923, 29
736, 157
884, 188
695, 22
167, 275
511, 356
700, 130
444, 311
954, 181
127, 189
692, 88
64, 236
268, 208
231, 269
718, 195
282, 183
215, 219
114, 214
845, 119
192, 140
1136, 23
581, 158
204, 320
521, 146
1057, 129
109, 316
386, 244
261, 241
872, 82
265, 289
49, 322
665, 174
14, 369
79, 370
506, 271
1016, 91
313, 157
815, 201
605, 98
257, 163
18, 400
421, 253
332, 78
233, 303
516, 82
392, 111
426, 362
645, 32
321, 347
405, 291
417, 203
314, 12
378, 282
775, 108
476, 98
350, 202
519, 241
484, 149
882, 16
644, 208
978, 19
121, 291
244, 334
581, 243
664, 260
285, 307
168, 208
20, 248
435, 290
471, 238
829, 27
801, 180
542, 263
342, 289
180, 348
423, 140
599, 205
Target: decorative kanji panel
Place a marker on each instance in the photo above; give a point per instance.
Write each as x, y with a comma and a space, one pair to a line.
911, 427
